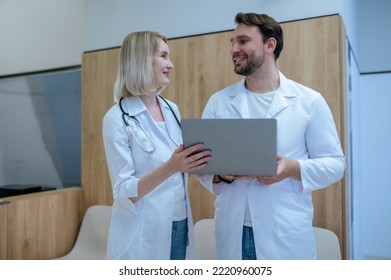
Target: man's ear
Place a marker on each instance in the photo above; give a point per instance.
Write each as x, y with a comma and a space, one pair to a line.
271, 44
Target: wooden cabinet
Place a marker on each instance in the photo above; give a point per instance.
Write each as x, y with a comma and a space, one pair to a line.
3, 230
40, 226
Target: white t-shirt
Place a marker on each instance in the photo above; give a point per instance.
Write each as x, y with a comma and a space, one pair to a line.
180, 212
258, 105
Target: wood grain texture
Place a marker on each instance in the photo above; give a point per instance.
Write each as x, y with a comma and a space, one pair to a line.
43, 225
202, 66
3, 231
99, 70
313, 55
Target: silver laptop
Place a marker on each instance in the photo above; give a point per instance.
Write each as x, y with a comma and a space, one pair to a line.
239, 146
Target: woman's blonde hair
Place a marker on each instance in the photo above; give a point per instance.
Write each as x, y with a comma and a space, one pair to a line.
135, 73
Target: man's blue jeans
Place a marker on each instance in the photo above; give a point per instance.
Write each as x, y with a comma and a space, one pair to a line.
248, 245
179, 240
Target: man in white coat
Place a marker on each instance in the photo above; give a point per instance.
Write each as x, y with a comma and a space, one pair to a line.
271, 217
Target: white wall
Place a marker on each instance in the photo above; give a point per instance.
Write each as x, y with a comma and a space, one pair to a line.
50, 34
107, 23
348, 11
375, 35
351, 144
40, 35
373, 156
367, 24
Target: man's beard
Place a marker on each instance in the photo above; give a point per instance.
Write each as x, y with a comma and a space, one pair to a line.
249, 68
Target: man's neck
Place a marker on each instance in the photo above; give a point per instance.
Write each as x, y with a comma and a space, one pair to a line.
263, 82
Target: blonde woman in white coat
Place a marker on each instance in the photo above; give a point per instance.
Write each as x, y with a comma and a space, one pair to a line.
148, 165
271, 217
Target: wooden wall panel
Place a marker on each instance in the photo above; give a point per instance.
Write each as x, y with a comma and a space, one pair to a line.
313, 55
202, 65
99, 71
3, 231
43, 225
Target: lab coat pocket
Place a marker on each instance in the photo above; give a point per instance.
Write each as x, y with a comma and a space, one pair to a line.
121, 233
292, 209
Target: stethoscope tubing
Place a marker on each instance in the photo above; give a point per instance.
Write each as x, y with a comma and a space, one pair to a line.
124, 113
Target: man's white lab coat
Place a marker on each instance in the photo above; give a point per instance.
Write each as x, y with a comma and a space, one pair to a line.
281, 213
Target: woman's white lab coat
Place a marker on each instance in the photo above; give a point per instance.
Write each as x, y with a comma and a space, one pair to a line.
141, 230
281, 213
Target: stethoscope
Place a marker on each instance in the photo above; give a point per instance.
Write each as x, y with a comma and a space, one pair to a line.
146, 144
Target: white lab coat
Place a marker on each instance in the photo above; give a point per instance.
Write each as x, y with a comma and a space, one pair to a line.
141, 230
281, 213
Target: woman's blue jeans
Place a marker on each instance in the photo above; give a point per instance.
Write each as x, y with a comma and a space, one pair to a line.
248, 245
179, 240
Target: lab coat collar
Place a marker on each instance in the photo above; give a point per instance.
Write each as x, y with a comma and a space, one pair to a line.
286, 86
280, 101
285, 92
164, 106
133, 105
239, 99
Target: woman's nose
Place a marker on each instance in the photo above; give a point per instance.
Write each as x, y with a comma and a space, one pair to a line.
170, 65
